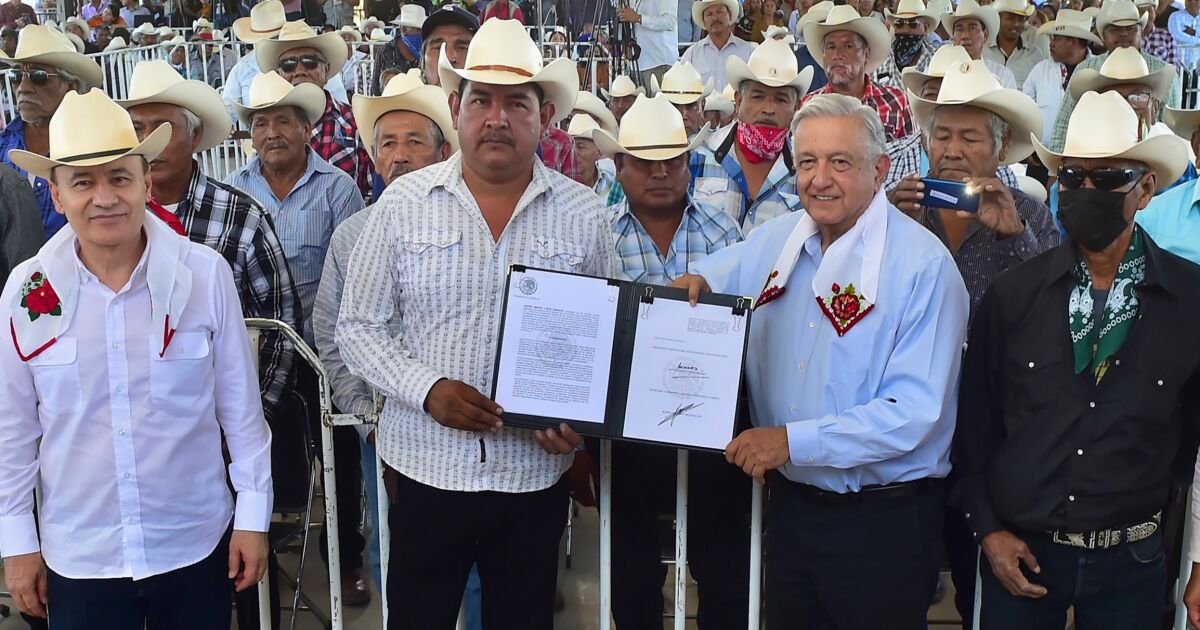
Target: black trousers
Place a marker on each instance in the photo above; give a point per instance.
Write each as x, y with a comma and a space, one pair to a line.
437, 535
963, 555
862, 564
643, 487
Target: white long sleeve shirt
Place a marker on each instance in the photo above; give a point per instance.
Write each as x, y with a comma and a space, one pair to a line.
657, 33
130, 464
1045, 86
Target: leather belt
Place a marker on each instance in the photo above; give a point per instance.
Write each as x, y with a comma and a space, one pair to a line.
888, 491
1108, 538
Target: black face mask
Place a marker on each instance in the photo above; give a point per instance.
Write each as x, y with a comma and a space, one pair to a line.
1093, 218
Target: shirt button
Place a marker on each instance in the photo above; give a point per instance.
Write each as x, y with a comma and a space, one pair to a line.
801, 365
1092, 405
1117, 362
127, 475
1071, 498
1031, 364
793, 407
1160, 383
121, 432
812, 324
968, 515
116, 345
1079, 452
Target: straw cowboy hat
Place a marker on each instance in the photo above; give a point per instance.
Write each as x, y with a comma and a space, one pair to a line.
39, 44
379, 36
591, 105
157, 82
944, 58
1019, 7
772, 64
1123, 65
369, 22
622, 86
76, 43
166, 32
265, 20
1184, 122
1166, 155
144, 29
1161, 129
846, 18
116, 43
699, 6
910, 9
970, 9
202, 24
582, 126
271, 90
76, 139
1091, 12
652, 129
1119, 13
218, 35
300, 35
351, 31
81, 23
404, 92
681, 84
1071, 23
972, 85
411, 15
720, 102
815, 13
1027, 184
502, 53
778, 32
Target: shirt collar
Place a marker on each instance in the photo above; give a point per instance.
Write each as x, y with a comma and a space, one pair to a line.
449, 175
138, 276
315, 164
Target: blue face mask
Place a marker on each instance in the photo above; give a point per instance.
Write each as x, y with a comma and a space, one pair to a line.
413, 42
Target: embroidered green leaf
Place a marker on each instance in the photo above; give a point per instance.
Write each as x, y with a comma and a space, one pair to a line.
57, 311
23, 302
33, 316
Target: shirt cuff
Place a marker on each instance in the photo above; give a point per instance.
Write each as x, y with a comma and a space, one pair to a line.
423, 381
253, 511
18, 535
982, 522
803, 448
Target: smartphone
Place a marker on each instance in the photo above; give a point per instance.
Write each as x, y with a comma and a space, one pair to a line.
941, 193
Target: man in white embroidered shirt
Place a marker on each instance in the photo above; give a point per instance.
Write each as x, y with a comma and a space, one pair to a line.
129, 362
436, 252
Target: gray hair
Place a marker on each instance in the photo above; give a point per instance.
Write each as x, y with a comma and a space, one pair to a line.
842, 106
67, 77
192, 121
997, 127
439, 138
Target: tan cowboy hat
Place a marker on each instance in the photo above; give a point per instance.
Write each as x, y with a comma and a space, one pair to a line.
219, 35
174, 42
369, 22
910, 9
379, 36
271, 90
681, 84
1161, 129
351, 31
166, 32
938, 8
265, 20
987, 16
202, 24
775, 31
944, 58
404, 92
1122, 138
1183, 122
622, 86
815, 13
116, 43
411, 15
40, 44
772, 64
300, 35
652, 129
591, 105
1071, 23
502, 53
582, 126
143, 29
1119, 13
699, 6
971, 84
846, 18
76, 43
81, 23
1123, 65
157, 82
76, 139
721, 102
1019, 7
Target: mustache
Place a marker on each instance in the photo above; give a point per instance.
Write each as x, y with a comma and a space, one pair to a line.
497, 136
22, 100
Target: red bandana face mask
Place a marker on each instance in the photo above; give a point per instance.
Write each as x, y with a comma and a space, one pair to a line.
760, 143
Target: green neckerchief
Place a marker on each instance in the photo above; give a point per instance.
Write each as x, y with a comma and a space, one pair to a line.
1094, 342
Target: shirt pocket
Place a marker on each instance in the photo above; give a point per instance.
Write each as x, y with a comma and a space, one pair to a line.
56, 377
427, 254
182, 378
555, 253
1030, 371
711, 191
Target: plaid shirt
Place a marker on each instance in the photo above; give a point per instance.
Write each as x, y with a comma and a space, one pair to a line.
888, 101
702, 231
233, 224
335, 138
908, 157
557, 150
1160, 44
718, 181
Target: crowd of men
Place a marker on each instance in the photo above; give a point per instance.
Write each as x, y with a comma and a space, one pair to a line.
1016, 382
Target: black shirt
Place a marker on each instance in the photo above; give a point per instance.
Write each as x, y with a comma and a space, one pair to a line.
1039, 447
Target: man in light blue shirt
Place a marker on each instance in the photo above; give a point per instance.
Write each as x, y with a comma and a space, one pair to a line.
1173, 217
852, 372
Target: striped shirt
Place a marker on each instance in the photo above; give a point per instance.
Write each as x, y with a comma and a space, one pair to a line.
428, 257
702, 230
321, 199
718, 181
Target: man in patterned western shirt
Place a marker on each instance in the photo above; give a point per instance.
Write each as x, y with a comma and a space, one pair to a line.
436, 251
1157, 40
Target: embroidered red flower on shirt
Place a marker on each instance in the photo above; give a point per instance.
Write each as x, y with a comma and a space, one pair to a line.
845, 308
39, 298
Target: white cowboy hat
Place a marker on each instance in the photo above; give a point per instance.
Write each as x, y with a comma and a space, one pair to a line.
772, 64
846, 18
1122, 138
938, 8
202, 24
971, 84
652, 129
166, 32
75, 42
1071, 23
775, 31
379, 36
1119, 13
219, 35
411, 15
404, 92
944, 58
300, 35
143, 29
76, 139
910, 9
970, 9
39, 44
271, 90
116, 43
51, 24
681, 84
698, 7
1162, 129
622, 86
351, 31
721, 102
81, 23
1027, 184
265, 20
582, 126
815, 13
591, 105
1145, 3
370, 21
1019, 7
1123, 65
1184, 122
502, 53
157, 82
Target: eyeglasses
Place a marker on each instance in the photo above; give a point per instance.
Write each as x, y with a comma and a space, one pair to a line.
37, 77
289, 64
1103, 178
906, 22
1139, 98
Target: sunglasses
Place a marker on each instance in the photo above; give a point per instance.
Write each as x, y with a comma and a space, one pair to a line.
36, 77
289, 64
906, 22
1103, 178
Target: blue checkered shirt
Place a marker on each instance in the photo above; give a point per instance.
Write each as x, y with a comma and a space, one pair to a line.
703, 230
717, 181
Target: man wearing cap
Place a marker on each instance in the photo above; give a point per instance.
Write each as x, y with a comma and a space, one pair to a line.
850, 47
911, 45
974, 27
404, 50
1070, 33
1077, 411
1173, 217
655, 29
1157, 40
44, 69
126, 376
623, 93
452, 26
1184, 26
852, 376
685, 89
1016, 46
708, 55
436, 253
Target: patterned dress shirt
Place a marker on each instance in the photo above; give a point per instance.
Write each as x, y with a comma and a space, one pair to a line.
13, 137
428, 256
702, 231
557, 150
888, 101
335, 138
389, 56
1161, 44
889, 72
909, 157
718, 181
